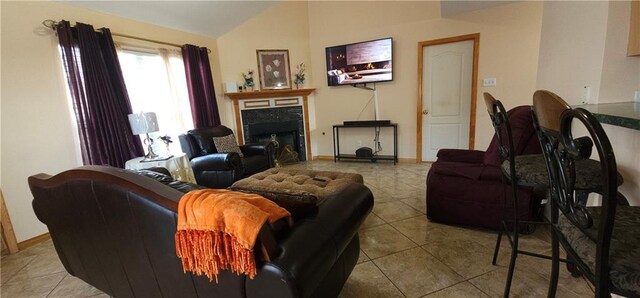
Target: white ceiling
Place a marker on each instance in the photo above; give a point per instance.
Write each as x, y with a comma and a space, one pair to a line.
210, 18
214, 18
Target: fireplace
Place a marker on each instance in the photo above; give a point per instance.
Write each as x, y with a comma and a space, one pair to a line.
283, 133
284, 124
282, 113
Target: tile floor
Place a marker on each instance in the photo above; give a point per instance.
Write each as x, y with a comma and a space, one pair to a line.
402, 253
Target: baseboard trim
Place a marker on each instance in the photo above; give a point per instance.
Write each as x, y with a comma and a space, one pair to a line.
407, 160
33, 241
323, 157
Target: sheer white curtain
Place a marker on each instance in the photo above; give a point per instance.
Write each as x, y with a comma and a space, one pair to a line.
156, 82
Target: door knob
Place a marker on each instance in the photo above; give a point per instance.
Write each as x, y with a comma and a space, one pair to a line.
425, 112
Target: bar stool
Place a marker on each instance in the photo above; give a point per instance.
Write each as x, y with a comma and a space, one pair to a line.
533, 171
604, 240
547, 108
522, 170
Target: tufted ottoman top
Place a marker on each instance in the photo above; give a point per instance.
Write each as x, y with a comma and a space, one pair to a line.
318, 183
296, 190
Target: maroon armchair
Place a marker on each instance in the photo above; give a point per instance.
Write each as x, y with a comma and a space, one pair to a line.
464, 187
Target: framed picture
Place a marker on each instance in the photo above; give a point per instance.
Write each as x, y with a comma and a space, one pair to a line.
273, 67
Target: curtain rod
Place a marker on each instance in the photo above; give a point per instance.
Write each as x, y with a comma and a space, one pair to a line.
51, 24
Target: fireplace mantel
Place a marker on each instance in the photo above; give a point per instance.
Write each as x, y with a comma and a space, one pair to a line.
271, 99
269, 93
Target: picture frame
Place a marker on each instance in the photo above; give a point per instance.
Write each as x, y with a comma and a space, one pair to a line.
273, 69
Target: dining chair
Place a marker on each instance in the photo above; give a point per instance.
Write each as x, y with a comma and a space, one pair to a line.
604, 239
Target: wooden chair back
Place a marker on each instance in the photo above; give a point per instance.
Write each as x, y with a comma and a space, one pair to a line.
548, 107
502, 127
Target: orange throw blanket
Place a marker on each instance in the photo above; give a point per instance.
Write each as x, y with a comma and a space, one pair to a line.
217, 229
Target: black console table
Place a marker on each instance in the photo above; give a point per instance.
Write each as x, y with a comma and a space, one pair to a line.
336, 142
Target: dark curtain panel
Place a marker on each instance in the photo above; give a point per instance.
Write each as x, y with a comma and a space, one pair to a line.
204, 106
99, 95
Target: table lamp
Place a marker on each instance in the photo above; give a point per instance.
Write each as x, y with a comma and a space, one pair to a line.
144, 123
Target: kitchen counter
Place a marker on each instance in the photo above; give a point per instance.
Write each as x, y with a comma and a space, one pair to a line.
623, 114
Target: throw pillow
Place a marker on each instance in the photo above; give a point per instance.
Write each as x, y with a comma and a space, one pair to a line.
227, 144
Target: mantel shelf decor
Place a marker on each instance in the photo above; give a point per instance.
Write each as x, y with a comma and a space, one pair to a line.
265, 99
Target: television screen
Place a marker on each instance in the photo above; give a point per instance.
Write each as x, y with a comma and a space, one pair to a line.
362, 62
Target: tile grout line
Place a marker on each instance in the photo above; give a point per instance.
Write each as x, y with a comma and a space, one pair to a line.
21, 268
393, 253
440, 290
406, 236
479, 289
497, 267
58, 284
389, 279
417, 246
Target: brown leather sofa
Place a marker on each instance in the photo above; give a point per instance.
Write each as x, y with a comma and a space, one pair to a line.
115, 229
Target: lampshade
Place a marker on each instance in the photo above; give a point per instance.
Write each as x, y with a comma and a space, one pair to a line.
142, 123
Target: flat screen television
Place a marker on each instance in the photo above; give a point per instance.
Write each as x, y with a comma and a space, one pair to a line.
361, 62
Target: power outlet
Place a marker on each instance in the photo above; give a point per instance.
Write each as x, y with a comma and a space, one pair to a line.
489, 82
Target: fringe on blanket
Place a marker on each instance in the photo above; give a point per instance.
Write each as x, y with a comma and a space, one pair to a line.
208, 252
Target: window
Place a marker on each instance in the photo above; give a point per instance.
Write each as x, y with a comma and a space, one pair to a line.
156, 82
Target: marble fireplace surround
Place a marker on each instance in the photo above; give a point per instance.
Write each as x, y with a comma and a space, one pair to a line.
270, 99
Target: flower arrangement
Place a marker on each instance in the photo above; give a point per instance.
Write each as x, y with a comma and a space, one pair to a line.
166, 139
300, 69
248, 78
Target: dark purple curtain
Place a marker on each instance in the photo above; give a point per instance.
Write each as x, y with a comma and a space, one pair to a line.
204, 106
99, 95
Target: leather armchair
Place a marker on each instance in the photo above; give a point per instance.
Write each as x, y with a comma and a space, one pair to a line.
464, 187
219, 170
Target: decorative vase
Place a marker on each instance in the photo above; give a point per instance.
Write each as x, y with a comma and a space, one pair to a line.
249, 88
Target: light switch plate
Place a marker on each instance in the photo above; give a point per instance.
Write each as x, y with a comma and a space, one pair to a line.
488, 82
585, 96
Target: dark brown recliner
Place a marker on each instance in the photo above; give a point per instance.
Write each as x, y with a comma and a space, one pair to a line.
219, 170
464, 187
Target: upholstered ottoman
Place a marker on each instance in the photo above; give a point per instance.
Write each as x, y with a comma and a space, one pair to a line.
299, 191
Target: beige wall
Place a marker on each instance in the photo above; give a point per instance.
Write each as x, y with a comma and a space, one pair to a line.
37, 126
283, 26
585, 43
572, 47
509, 43
620, 74
625, 142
